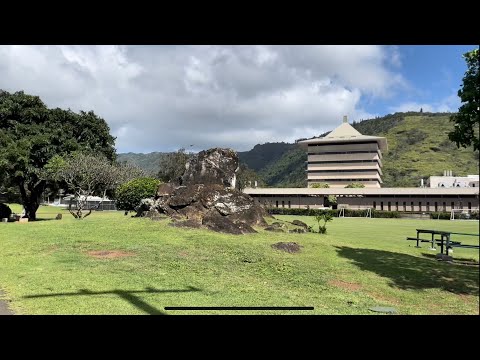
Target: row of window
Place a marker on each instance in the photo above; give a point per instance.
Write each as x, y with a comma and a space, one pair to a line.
435, 206
344, 143
389, 206
456, 185
341, 180
319, 172
341, 163
343, 152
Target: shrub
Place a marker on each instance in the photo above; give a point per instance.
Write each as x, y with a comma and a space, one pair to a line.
443, 215
130, 194
5, 211
325, 217
319, 185
354, 185
334, 213
331, 199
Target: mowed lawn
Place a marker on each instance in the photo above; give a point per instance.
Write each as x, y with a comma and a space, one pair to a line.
47, 267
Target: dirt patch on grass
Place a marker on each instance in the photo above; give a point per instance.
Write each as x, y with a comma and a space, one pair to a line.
109, 254
345, 285
290, 247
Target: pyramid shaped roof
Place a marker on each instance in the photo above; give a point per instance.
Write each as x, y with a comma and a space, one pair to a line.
346, 133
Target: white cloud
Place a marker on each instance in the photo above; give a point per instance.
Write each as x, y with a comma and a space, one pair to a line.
160, 98
450, 103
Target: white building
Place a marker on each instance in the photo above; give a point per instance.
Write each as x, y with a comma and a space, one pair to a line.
345, 156
450, 181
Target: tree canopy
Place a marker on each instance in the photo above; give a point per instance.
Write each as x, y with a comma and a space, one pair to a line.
172, 166
32, 134
467, 121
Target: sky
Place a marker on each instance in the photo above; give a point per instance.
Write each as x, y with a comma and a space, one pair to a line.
162, 98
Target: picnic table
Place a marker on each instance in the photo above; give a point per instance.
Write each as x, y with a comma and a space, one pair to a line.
445, 240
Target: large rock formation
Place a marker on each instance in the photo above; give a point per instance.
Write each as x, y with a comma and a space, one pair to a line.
207, 197
213, 166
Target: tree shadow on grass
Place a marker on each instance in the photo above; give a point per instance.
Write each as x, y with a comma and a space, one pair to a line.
409, 272
126, 295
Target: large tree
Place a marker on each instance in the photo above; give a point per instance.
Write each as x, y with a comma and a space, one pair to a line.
466, 132
31, 135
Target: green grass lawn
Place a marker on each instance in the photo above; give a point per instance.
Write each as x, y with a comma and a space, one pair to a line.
45, 267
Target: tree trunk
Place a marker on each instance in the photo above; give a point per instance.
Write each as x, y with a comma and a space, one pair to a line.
31, 202
31, 210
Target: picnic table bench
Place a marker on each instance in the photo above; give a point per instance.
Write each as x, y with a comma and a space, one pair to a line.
444, 241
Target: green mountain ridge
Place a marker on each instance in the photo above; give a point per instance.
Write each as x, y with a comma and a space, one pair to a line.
418, 147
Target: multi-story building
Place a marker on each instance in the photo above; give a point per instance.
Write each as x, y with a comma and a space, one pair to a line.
345, 156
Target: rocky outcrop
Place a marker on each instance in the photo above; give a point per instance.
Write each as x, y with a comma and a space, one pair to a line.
213, 166
207, 198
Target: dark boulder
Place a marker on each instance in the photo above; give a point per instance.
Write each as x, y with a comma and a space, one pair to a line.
299, 223
290, 247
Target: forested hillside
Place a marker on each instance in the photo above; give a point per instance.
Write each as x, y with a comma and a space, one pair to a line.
418, 147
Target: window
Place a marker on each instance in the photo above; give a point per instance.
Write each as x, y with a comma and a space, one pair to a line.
419, 206
375, 205
289, 204
469, 206
396, 205
452, 205
444, 206
381, 205
389, 206
436, 206
404, 206
276, 203
283, 204
411, 206
428, 206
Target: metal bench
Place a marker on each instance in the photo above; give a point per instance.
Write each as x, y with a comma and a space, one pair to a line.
418, 240
464, 245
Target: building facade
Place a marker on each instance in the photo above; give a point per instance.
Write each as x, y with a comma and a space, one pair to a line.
345, 156
386, 199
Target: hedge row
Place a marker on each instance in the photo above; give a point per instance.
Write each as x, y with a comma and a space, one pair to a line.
446, 215
348, 212
362, 213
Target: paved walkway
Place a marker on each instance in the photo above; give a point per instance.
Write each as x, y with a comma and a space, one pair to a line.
4, 310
